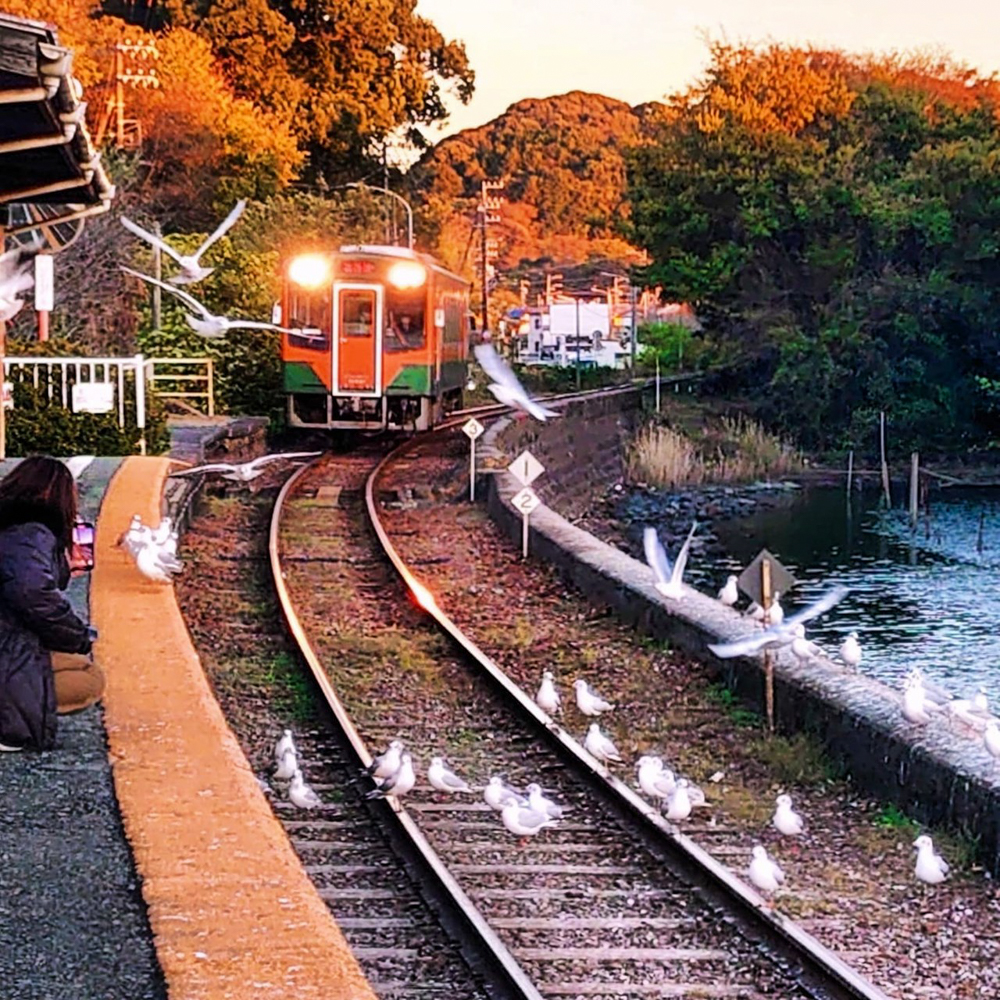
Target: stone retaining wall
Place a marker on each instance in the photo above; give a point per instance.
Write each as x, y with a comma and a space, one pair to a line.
937, 776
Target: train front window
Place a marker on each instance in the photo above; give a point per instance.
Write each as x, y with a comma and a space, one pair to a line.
309, 317
357, 314
404, 320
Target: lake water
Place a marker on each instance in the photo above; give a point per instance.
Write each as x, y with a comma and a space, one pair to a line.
928, 598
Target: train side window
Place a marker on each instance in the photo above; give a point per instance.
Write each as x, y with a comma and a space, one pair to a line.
404, 330
309, 316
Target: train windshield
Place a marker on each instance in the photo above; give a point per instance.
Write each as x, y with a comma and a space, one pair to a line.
404, 319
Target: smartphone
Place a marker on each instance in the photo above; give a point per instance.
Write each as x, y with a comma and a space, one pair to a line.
83, 545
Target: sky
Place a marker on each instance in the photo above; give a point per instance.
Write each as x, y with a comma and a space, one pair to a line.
641, 50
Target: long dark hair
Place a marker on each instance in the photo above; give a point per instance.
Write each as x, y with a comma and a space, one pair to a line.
40, 489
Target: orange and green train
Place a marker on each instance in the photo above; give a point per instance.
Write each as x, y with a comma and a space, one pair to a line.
377, 337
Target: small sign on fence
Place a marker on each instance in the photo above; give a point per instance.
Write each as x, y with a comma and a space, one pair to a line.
93, 397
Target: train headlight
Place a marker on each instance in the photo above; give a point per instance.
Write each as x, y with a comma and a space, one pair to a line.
407, 274
309, 270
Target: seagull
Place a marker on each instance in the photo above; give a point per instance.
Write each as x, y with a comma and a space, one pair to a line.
776, 613
547, 698
786, 820
206, 323
191, 269
765, 873
930, 867
679, 804
991, 740
300, 794
284, 743
804, 649
247, 471
386, 764
523, 821
15, 278
443, 780
538, 802
497, 794
397, 784
850, 651
599, 746
588, 700
917, 704
505, 385
156, 564
729, 594
779, 635
287, 766
78, 463
653, 780
134, 536
668, 578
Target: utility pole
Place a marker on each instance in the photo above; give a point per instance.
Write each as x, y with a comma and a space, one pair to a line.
635, 332
489, 207
127, 130
158, 274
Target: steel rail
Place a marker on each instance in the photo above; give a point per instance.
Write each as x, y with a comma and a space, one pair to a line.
821, 966
505, 977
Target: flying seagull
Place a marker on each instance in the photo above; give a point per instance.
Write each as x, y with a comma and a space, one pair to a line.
191, 269
206, 323
505, 386
668, 578
15, 278
779, 635
246, 471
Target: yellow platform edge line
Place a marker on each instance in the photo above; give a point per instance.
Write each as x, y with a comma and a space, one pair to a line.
232, 912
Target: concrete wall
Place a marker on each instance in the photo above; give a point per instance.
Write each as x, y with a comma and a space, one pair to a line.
935, 775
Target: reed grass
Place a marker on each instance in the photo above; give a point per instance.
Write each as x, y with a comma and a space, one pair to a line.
737, 449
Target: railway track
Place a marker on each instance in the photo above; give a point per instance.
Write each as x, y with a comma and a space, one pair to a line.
611, 902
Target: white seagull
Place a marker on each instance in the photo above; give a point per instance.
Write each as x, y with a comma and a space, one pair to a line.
206, 323
653, 780
991, 740
245, 471
444, 780
547, 698
538, 802
285, 742
850, 651
786, 820
287, 766
599, 746
386, 764
397, 784
776, 613
505, 385
497, 794
588, 700
523, 821
930, 867
191, 269
802, 648
918, 706
679, 804
155, 563
729, 594
668, 578
765, 873
77, 464
15, 278
779, 635
300, 794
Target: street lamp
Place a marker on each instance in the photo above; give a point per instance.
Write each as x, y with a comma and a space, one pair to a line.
398, 197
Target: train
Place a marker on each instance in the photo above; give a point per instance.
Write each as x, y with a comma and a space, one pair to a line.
374, 338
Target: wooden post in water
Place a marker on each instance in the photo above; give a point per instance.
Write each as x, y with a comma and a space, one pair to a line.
850, 471
914, 487
765, 593
885, 464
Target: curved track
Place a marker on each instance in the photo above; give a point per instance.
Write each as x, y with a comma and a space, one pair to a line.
612, 902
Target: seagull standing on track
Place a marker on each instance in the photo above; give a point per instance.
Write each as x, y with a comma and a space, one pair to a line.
765, 873
191, 269
246, 471
679, 804
300, 794
599, 746
729, 594
786, 820
930, 867
443, 780
285, 743
497, 794
588, 700
206, 323
538, 802
287, 766
505, 385
653, 781
668, 578
398, 784
547, 698
523, 821
386, 764
779, 635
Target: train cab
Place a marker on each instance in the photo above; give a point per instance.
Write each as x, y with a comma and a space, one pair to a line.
377, 337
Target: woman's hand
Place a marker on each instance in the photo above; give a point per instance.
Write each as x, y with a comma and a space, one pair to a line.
79, 559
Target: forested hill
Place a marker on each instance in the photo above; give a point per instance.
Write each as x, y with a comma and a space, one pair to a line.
562, 160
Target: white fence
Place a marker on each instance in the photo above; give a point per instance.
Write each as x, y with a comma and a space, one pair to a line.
119, 384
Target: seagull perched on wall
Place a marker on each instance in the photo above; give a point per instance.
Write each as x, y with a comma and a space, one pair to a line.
668, 578
244, 472
779, 635
207, 324
505, 385
191, 269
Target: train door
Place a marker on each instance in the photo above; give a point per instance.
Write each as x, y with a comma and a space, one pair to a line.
357, 324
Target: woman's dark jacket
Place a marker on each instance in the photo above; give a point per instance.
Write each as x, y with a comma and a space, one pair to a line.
35, 617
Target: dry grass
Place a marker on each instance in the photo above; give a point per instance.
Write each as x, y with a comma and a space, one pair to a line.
735, 450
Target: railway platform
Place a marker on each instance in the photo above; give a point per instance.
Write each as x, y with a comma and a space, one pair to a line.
140, 857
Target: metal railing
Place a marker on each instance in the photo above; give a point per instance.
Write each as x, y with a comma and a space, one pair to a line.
184, 383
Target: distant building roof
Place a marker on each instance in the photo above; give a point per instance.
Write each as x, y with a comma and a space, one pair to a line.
50, 172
